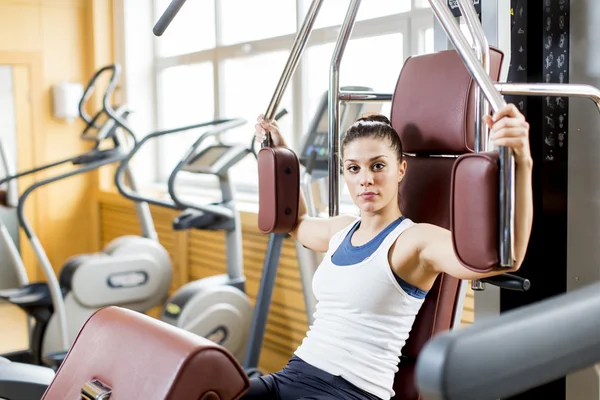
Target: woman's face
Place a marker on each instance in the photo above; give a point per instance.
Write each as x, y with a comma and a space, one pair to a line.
372, 173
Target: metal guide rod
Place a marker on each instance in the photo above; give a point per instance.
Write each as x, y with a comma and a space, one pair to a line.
363, 97
551, 89
290, 67
507, 164
334, 107
482, 51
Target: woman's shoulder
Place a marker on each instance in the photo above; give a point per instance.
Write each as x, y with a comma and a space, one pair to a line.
417, 236
421, 230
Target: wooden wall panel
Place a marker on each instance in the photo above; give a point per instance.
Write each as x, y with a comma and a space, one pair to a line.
200, 254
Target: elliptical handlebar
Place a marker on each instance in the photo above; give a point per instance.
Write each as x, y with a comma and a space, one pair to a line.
53, 284
37, 169
109, 127
223, 125
209, 208
89, 90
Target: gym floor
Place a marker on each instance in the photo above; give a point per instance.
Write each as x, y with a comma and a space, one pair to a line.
13, 335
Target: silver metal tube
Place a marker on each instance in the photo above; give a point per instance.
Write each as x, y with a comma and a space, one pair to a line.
551, 89
14, 254
141, 207
143, 211
363, 97
58, 301
507, 163
482, 51
334, 107
446, 19
298, 48
308, 260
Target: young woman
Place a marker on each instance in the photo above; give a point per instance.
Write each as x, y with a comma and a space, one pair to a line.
379, 267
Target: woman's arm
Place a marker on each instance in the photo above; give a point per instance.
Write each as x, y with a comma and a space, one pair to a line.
436, 251
312, 232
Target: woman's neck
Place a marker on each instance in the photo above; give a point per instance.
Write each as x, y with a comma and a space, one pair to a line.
375, 222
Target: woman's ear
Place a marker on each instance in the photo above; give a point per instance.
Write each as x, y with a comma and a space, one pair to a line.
401, 170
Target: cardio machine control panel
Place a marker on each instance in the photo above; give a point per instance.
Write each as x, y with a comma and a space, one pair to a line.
316, 141
215, 159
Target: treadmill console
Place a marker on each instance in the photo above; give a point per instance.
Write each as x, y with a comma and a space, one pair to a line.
215, 159
317, 139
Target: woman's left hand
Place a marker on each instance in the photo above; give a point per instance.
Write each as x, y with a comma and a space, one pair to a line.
509, 128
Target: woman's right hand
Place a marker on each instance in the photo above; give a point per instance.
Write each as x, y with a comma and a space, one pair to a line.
262, 127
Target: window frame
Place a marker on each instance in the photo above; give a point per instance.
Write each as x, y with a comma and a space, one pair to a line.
411, 24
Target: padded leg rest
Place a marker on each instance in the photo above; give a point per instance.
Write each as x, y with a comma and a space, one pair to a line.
474, 210
138, 357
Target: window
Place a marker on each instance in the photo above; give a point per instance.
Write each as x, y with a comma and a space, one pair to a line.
244, 20
185, 97
332, 13
380, 8
223, 59
361, 58
248, 84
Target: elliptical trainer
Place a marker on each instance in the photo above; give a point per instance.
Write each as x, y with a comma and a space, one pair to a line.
134, 272
215, 307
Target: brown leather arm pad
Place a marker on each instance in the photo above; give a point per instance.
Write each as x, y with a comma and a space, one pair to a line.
278, 190
474, 210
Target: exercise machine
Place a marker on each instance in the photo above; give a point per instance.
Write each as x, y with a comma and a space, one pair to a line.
23, 380
19, 381
519, 350
216, 307
134, 272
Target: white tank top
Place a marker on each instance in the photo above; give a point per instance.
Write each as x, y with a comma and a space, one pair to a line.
362, 318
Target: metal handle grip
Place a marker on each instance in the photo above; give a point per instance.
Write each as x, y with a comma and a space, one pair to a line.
509, 281
165, 20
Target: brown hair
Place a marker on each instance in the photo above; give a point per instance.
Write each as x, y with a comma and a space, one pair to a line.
377, 126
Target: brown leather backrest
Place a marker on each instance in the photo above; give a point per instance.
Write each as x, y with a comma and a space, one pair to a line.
139, 357
432, 111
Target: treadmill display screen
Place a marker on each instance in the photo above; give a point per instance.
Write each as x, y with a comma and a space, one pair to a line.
208, 156
317, 140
